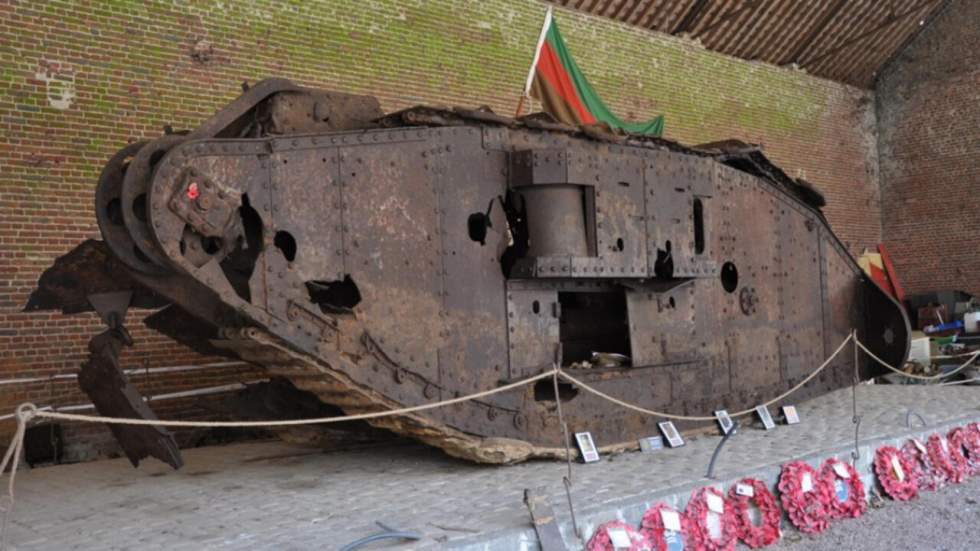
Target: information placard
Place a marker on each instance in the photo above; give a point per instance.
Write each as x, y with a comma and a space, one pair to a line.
792, 416
651, 443
670, 433
765, 417
585, 445
724, 421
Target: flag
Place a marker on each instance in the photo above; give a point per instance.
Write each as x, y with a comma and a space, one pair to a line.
564, 92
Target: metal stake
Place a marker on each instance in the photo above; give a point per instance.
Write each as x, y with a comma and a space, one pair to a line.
855, 418
908, 419
714, 456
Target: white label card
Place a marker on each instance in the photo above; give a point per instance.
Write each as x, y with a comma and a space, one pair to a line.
841, 470
715, 503
921, 448
806, 482
897, 467
713, 524
672, 520
619, 538
763, 413
745, 490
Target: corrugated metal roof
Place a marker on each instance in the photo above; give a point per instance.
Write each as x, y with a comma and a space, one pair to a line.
843, 40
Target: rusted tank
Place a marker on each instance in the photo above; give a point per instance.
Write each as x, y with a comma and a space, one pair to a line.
382, 261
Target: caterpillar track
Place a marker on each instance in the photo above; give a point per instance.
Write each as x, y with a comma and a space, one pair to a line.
386, 261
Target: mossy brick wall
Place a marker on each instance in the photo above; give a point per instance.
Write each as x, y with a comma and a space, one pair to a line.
929, 109
80, 79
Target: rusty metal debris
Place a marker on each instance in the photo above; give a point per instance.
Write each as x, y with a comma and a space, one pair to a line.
380, 261
544, 520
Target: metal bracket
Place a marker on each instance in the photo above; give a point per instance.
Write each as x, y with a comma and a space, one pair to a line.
207, 206
111, 307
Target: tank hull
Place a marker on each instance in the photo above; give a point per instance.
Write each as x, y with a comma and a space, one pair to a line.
430, 253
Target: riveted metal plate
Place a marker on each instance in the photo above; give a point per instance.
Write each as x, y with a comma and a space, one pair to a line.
475, 322
306, 202
532, 326
620, 224
390, 237
672, 184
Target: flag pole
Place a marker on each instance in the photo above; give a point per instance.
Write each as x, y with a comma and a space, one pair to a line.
520, 105
534, 62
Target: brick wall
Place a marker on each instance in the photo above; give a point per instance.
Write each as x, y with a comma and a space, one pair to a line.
80, 79
929, 125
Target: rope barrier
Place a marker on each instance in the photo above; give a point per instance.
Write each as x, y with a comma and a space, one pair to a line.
748, 411
973, 356
963, 382
27, 412
288, 422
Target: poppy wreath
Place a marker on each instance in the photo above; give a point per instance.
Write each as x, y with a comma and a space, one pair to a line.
807, 510
853, 504
974, 428
653, 527
697, 514
946, 458
766, 533
902, 488
601, 541
967, 443
925, 475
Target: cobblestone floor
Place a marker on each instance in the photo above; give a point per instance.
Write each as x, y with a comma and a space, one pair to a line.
272, 495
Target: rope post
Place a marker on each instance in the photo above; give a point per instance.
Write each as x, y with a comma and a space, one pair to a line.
855, 418
567, 479
714, 456
24, 413
564, 428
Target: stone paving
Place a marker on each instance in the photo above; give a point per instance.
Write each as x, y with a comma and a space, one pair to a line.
272, 495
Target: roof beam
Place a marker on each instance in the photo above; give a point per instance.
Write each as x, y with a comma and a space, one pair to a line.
870, 32
632, 10
730, 15
648, 16
622, 4
814, 33
691, 17
930, 17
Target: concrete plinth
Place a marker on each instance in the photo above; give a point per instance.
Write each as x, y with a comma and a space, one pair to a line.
272, 495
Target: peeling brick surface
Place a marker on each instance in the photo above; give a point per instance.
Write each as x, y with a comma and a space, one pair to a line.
80, 79
929, 117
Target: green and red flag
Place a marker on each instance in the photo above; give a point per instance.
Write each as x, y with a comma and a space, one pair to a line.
557, 82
